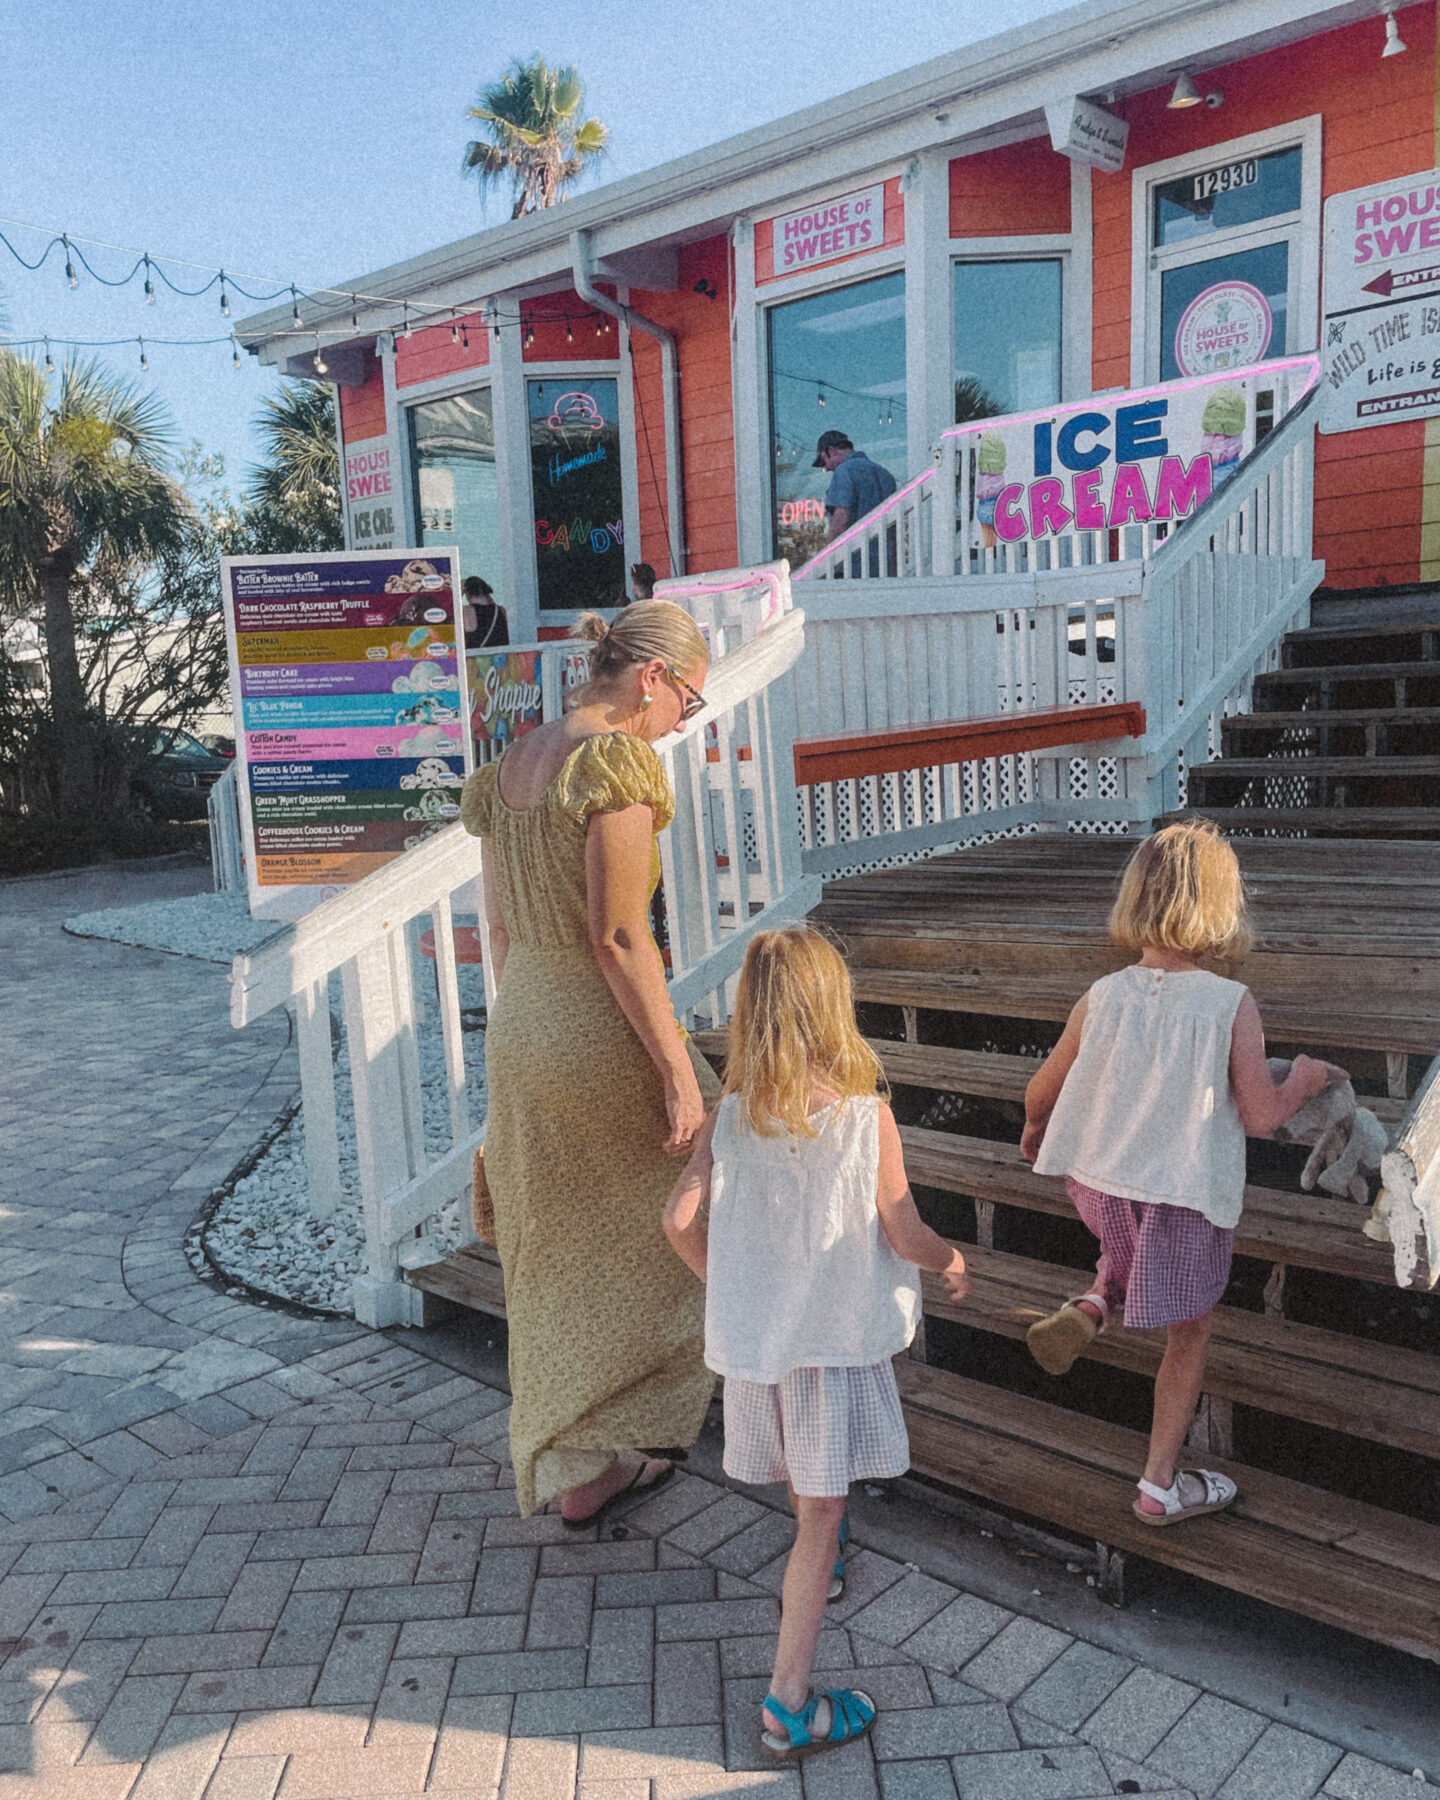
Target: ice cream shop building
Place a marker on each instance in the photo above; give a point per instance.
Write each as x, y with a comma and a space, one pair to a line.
1118, 196
1139, 307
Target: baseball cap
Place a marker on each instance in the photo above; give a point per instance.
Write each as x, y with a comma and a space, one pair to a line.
830, 440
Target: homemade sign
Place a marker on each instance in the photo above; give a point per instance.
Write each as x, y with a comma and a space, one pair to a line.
350, 745
578, 499
1087, 133
829, 228
1123, 459
369, 500
1381, 343
1228, 326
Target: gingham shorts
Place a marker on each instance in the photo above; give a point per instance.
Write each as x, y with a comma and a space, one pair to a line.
1164, 1264
819, 1428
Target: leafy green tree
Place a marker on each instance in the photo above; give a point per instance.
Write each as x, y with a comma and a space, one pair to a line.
292, 501
535, 137
82, 486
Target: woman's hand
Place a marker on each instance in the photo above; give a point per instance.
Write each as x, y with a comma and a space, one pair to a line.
685, 1108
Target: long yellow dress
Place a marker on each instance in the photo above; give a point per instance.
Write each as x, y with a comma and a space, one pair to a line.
607, 1325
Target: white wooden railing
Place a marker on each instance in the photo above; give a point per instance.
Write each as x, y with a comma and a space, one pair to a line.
731, 866
227, 842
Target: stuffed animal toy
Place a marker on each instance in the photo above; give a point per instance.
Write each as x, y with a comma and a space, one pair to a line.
1348, 1140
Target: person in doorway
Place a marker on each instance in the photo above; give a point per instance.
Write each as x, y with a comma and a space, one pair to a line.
1144, 1106
594, 1086
642, 582
484, 619
811, 1258
857, 485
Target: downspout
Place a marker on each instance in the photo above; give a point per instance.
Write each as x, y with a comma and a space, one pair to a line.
670, 388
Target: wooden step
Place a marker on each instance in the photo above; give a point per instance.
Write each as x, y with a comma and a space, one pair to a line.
1380, 671
1356, 768
1357, 1015
470, 1276
1340, 1561
1357, 643
1321, 718
1348, 1384
1354, 821
1312, 1231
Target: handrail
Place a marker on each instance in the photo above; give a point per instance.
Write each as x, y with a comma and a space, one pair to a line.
865, 524
1409, 1201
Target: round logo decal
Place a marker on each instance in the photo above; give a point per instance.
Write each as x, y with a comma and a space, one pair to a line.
1228, 326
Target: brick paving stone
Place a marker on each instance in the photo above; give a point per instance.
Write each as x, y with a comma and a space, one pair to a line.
248, 1690
622, 1646
91, 1678
633, 1556
136, 1510
507, 1530
412, 1700
687, 1684
313, 1475
560, 1612
1207, 1744
1358, 1778
171, 1540
475, 1503
407, 1454
539, 1769
848, 1773
267, 1516
519, 1672
301, 1541
357, 1498
715, 1618
69, 1553
355, 1669
450, 1550
662, 1753
492, 1635
1139, 1713
1036, 1733
929, 1779
892, 1689
154, 1618
355, 1571
1010, 1662
665, 1587
115, 1584
130, 1724
202, 1650
902, 1609
867, 1576
282, 1731
680, 1499
726, 1519
246, 1778
327, 1775
1284, 1765
943, 1731
403, 1523
1075, 1684
1032, 1775
183, 1759
214, 1566
428, 1600
258, 1596
503, 1580
556, 1711
756, 1546
470, 1749
955, 1634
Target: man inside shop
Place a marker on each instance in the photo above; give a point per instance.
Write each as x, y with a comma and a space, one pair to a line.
857, 485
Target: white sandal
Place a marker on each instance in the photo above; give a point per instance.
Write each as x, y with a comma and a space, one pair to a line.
1220, 1492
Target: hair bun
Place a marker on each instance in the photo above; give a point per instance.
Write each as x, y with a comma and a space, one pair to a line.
590, 625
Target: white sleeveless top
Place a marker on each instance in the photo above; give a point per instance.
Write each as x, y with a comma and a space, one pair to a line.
800, 1272
1146, 1111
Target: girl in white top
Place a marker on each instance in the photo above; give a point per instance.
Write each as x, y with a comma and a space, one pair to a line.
810, 1259
1144, 1105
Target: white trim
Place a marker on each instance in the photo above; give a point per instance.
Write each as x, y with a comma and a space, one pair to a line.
1078, 288
884, 261
1040, 243
397, 436
929, 308
1052, 248
1302, 228
751, 401
512, 483
445, 387
630, 450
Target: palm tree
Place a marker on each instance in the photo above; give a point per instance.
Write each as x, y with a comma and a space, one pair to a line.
81, 480
294, 493
537, 139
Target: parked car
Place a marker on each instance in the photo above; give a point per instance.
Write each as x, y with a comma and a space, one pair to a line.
175, 782
221, 745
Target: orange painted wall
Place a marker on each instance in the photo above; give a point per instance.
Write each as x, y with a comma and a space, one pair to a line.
591, 338
765, 234
432, 352
1010, 192
1379, 122
702, 330
362, 409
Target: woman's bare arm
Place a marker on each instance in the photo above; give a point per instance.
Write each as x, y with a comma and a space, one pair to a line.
494, 919
617, 877
682, 1211
1048, 1079
900, 1219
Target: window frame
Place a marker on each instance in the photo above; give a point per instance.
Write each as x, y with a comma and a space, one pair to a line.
1055, 248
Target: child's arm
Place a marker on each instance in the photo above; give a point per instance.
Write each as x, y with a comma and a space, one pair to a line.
682, 1210
1264, 1106
1048, 1079
900, 1220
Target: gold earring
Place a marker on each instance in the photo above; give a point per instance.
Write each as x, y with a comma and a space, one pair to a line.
646, 701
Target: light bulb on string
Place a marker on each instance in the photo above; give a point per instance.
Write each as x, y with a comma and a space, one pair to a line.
454, 334
819, 394
294, 307
49, 360
464, 337
224, 298
144, 359
70, 274
569, 334
599, 328
149, 284
354, 314
321, 366
234, 351
530, 334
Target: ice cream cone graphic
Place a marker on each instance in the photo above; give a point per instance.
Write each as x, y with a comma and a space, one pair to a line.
990, 460
1222, 426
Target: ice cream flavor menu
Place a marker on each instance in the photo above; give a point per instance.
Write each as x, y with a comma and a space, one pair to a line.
351, 715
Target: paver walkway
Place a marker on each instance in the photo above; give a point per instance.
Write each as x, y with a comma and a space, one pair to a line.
268, 1557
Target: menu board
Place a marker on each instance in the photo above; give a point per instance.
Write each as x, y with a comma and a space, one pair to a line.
350, 710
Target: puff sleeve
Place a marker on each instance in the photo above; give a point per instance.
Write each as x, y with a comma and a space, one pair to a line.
477, 800
612, 772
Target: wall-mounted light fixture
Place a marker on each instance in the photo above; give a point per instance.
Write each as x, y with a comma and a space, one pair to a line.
1186, 95
1395, 45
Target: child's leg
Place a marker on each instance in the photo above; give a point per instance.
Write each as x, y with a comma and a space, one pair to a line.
807, 1584
1178, 1385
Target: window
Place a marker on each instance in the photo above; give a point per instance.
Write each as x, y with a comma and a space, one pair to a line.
1007, 337
452, 453
576, 487
837, 363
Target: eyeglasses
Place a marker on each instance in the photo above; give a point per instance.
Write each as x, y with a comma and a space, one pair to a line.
696, 702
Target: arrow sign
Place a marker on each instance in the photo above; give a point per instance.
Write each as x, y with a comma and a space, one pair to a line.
1398, 280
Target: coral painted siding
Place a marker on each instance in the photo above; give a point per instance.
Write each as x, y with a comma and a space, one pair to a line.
702, 331
894, 233
1379, 122
362, 409
1014, 191
549, 319
431, 352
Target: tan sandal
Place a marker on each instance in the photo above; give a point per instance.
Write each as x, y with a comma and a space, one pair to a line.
1056, 1343
1220, 1492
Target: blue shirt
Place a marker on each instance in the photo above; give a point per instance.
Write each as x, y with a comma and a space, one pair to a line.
859, 485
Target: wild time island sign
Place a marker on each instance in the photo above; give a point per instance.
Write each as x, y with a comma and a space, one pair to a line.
351, 743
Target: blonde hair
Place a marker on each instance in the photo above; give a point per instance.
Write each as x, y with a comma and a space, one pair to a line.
793, 1028
649, 628
1182, 890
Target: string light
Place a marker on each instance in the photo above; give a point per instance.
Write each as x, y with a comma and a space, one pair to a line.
224, 298
530, 334
70, 274
144, 360
820, 395
454, 334
464, 337
321, 366
149, 285
569, 334
354, 314
234, 351
294, 306
49, 361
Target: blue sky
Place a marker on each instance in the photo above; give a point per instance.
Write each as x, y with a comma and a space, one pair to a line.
312, 140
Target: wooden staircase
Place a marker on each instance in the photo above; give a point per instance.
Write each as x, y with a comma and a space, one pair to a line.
1343, 739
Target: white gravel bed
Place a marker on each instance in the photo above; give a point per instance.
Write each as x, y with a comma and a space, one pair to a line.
212, 927
266, 1233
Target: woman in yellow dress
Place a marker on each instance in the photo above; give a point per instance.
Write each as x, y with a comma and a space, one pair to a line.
594, 1087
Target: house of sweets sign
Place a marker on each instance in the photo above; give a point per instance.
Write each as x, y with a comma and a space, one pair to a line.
369, 502
1125, 459
350, 704
829, 228
1381, 343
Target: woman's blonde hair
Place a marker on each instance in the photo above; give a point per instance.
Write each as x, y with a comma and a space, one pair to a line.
794, 1027
647, 629
1182, 891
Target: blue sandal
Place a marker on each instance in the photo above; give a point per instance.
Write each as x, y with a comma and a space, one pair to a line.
837, 1574
852, 1716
